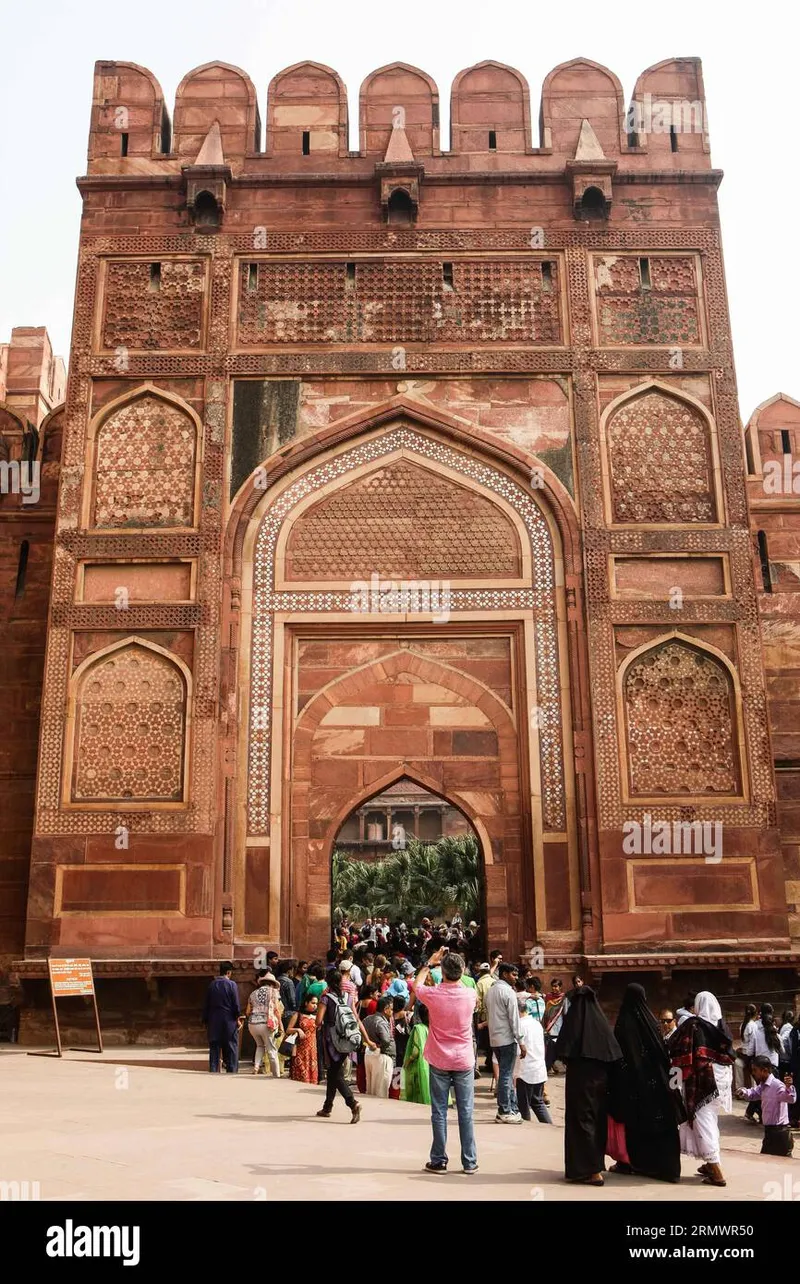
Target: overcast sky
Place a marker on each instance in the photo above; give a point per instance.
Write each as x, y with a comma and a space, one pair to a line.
752, 80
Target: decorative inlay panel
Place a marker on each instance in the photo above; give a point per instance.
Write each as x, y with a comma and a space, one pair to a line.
656, 303
145, 466
403, 520
131, 713
418, 301
680, 723
660, 462
154, 304
540, 599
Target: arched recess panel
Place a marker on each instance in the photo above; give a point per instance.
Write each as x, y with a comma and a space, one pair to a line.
660, 461
130, 728
414, 522
680, 722
145, 455
310, 632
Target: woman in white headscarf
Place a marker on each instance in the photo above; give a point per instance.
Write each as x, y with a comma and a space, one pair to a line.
702, 1052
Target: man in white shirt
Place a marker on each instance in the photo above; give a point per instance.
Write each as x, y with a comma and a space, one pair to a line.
531, 1071
356, 975
756, 1044
502, 1012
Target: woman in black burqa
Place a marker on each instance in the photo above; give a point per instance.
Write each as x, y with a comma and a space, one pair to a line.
588, 1048
641, 1097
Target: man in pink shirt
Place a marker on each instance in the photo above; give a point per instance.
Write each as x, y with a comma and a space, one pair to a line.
450, 1055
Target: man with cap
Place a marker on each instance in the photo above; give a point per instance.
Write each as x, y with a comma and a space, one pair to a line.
349, 987
505, 1039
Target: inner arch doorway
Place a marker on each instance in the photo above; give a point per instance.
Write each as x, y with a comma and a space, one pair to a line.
405, 605
404, 861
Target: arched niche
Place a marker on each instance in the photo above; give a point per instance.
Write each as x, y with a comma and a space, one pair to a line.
680, 708
142, 463
660, 459
127, 727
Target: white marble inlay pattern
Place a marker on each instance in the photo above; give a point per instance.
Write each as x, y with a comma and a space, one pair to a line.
539, 599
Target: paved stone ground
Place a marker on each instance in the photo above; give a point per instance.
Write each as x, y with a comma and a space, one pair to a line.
150, 1125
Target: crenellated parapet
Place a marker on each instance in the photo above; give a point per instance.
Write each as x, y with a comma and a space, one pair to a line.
307, 117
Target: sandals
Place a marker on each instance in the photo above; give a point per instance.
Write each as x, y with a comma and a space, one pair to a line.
713, 1176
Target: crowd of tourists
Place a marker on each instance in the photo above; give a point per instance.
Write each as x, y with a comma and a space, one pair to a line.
409, 943
642, 1092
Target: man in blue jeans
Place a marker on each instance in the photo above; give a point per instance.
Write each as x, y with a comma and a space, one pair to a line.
450, 1055
502, 1012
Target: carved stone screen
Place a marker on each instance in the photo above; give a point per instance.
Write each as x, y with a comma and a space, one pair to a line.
681, 737
131, 712
660, 462
145, 464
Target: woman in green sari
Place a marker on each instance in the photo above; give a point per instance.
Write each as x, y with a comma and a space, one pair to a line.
416, 1086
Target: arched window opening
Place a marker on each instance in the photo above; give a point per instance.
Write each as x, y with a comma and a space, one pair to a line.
207, 213
593, 204
400, 208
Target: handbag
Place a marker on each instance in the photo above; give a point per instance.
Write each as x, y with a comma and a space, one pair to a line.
288, 1045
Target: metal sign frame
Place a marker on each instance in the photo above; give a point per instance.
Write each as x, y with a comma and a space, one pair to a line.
80, 987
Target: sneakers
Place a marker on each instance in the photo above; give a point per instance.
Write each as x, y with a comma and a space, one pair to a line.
469, 1171
508, 1119
436, 1168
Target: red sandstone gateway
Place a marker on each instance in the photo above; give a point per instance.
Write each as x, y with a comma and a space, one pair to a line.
505, 368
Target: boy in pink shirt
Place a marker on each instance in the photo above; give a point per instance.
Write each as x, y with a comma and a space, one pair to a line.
450, 1055
775, 1098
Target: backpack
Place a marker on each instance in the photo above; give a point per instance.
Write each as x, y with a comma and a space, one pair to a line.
345, 1035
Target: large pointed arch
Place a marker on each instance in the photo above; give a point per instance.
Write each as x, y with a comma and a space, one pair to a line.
509, 528
278, 621
314, 788
261, 596
522, 465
